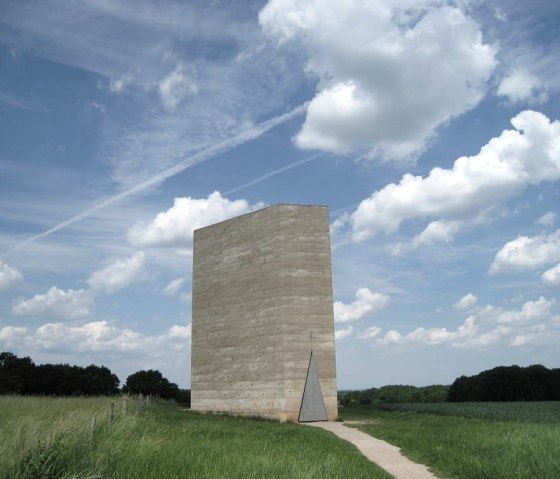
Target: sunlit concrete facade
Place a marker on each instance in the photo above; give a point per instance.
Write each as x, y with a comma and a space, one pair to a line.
262, 301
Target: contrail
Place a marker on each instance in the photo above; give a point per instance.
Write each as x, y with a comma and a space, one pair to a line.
199, 157
343, 209
275, 172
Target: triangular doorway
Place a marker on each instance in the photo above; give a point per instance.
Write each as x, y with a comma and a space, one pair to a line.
312, 405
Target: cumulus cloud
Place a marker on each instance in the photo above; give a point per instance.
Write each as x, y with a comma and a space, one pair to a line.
173, 287
56, 303
371, 333
525, 253
9, 276
12, 336
436, 232
391, 338
119, 274
430, 336
551, 277
533, 323
527, 155
520, 85
343, 333
178, 332
530, 311
95, 336
366, 302
466, 302
174, 227
389, 72
179, 84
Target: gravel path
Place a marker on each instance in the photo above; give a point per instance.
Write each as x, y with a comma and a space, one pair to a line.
382, 453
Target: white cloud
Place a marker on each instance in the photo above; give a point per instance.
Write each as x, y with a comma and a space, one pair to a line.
339, 223
520, 85
389, 73
530, 311
343, 333
433, 336
533, 323
122, 349
11, 336
95, 336
173, 287
180, 333
56, 303
525, 253
466, 302
119, 274
551, 277
177, 85
391, 338
530, 154
366, 302
371, 333
547, 219
175, 226
9, 276
436, 232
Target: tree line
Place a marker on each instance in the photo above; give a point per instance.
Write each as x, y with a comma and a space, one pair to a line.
508, 383
394, 394
502, 383
22, 376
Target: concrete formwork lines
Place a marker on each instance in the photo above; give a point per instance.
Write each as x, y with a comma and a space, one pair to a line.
262, 300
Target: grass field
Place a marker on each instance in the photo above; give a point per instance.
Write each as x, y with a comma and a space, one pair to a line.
50, 438
471, 440
543, 412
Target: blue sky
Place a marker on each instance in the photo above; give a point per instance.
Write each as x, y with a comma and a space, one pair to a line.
430, 129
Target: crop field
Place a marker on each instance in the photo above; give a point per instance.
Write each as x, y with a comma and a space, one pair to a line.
52, 438
543, 412
470, 440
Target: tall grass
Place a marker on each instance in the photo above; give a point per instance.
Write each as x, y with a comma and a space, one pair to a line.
454, 446
50, 439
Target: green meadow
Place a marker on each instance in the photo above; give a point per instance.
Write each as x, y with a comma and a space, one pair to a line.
470, 440
51, 438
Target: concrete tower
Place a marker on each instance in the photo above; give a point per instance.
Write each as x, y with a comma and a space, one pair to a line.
262, 316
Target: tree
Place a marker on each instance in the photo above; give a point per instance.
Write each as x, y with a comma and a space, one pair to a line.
22, 376
16, 374
151, 383
100, 381
184, 397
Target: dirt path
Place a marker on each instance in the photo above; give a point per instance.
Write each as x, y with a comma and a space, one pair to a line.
382, 453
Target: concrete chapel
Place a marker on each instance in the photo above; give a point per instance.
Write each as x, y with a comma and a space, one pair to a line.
262, 317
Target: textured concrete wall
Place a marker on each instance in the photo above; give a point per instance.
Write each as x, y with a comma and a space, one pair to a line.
262, 301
